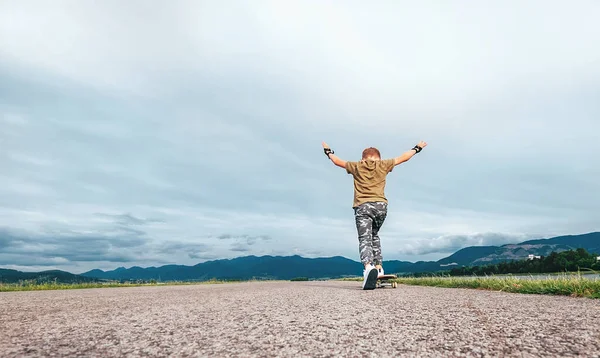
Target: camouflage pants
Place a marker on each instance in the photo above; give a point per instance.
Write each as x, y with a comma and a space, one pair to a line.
369, 219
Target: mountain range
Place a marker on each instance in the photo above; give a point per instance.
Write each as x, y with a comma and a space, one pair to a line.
289, 267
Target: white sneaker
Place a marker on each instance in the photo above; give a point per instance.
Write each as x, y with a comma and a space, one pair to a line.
370, 278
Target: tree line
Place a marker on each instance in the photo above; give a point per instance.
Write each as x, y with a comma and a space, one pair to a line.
565, 261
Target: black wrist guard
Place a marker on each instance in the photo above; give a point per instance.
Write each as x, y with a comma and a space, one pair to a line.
417, 148
328, 151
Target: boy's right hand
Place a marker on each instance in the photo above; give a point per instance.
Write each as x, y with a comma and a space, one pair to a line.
422, 144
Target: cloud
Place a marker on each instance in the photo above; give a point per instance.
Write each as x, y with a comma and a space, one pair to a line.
202, 256
70, 249
239, 247
446, 244
128, 219
4, 242
13, 119
248, 239
73, 247
177, 247
244, 242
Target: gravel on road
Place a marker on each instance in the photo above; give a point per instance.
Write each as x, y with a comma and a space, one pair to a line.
295, 319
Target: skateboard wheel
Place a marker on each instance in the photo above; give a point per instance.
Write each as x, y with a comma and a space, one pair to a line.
394, 285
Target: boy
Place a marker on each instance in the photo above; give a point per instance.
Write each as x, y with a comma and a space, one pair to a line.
370, 203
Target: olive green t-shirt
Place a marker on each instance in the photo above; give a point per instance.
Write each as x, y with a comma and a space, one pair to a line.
369, 179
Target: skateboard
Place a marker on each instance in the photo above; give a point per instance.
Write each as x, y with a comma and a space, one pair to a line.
383, 281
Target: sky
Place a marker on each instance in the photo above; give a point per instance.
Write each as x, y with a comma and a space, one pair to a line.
150, 133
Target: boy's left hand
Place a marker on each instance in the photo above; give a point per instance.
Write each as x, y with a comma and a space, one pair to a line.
325, 145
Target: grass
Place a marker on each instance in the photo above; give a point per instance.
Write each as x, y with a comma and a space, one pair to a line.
582, 271
565, 285
34, 286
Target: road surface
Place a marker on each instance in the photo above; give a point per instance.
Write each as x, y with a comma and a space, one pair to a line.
295, 319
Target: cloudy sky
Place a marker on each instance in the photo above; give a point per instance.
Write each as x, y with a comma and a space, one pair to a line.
149, 133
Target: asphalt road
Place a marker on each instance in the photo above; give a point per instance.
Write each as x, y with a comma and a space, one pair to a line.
295, 319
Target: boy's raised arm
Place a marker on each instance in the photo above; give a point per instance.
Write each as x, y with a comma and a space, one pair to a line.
334, 158
407, 155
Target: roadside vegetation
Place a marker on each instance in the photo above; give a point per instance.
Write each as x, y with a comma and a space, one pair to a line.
574, 285
565, 261
36, 285
571, 285
33, 285
557, 263
564, 275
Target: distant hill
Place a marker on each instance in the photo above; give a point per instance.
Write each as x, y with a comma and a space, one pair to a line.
470, 254
484, 255
241, 268
289, 267
14, 276
590, 242
541, 247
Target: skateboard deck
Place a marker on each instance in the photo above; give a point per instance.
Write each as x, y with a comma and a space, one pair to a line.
382, 281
